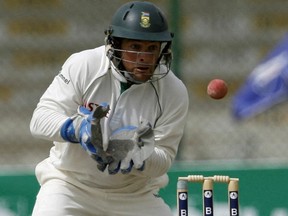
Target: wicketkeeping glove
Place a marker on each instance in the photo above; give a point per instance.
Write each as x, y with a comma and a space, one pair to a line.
78, 130
130, 146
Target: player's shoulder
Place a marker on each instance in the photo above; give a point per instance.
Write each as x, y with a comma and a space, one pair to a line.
173, 87
173, 93
89, 55
173, 82
88, 61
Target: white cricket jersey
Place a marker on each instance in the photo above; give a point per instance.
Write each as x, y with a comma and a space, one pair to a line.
87, 79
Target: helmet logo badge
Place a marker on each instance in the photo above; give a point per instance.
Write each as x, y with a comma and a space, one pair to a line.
145, 20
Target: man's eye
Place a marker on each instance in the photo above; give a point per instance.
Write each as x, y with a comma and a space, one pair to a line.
134, 47
153, 48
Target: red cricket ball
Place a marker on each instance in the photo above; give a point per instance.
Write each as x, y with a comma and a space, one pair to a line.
217, 89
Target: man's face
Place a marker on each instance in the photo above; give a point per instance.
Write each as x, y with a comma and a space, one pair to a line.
140, 58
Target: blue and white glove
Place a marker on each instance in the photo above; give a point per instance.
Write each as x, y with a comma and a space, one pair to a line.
129, 147
77, 129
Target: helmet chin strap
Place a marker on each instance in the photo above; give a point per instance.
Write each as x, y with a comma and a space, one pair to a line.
128, 77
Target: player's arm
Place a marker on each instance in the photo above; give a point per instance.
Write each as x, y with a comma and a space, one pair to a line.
167, 138
168, 130
57, 104
60, 116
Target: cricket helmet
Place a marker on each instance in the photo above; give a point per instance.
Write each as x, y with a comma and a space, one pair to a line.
139, 21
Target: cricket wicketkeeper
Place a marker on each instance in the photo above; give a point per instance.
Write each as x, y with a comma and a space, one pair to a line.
116, 115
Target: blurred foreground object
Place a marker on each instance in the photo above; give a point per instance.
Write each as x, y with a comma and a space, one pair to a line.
266, 86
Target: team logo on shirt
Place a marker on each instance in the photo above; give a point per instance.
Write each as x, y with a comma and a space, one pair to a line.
145, 20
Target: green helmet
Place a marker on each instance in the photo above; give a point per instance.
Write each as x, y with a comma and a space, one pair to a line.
140, 21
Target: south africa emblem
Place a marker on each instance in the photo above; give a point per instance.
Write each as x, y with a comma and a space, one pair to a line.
145, 20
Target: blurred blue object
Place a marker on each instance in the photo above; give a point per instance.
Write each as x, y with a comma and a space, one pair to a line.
266, 86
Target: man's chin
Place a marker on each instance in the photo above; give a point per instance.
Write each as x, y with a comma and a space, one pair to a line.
142, 78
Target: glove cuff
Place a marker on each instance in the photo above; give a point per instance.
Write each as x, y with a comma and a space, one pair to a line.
70, 130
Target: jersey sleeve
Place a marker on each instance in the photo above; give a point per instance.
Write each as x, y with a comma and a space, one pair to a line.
168, 131
62, 98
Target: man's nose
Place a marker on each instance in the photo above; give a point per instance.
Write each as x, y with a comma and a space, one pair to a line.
144, 56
